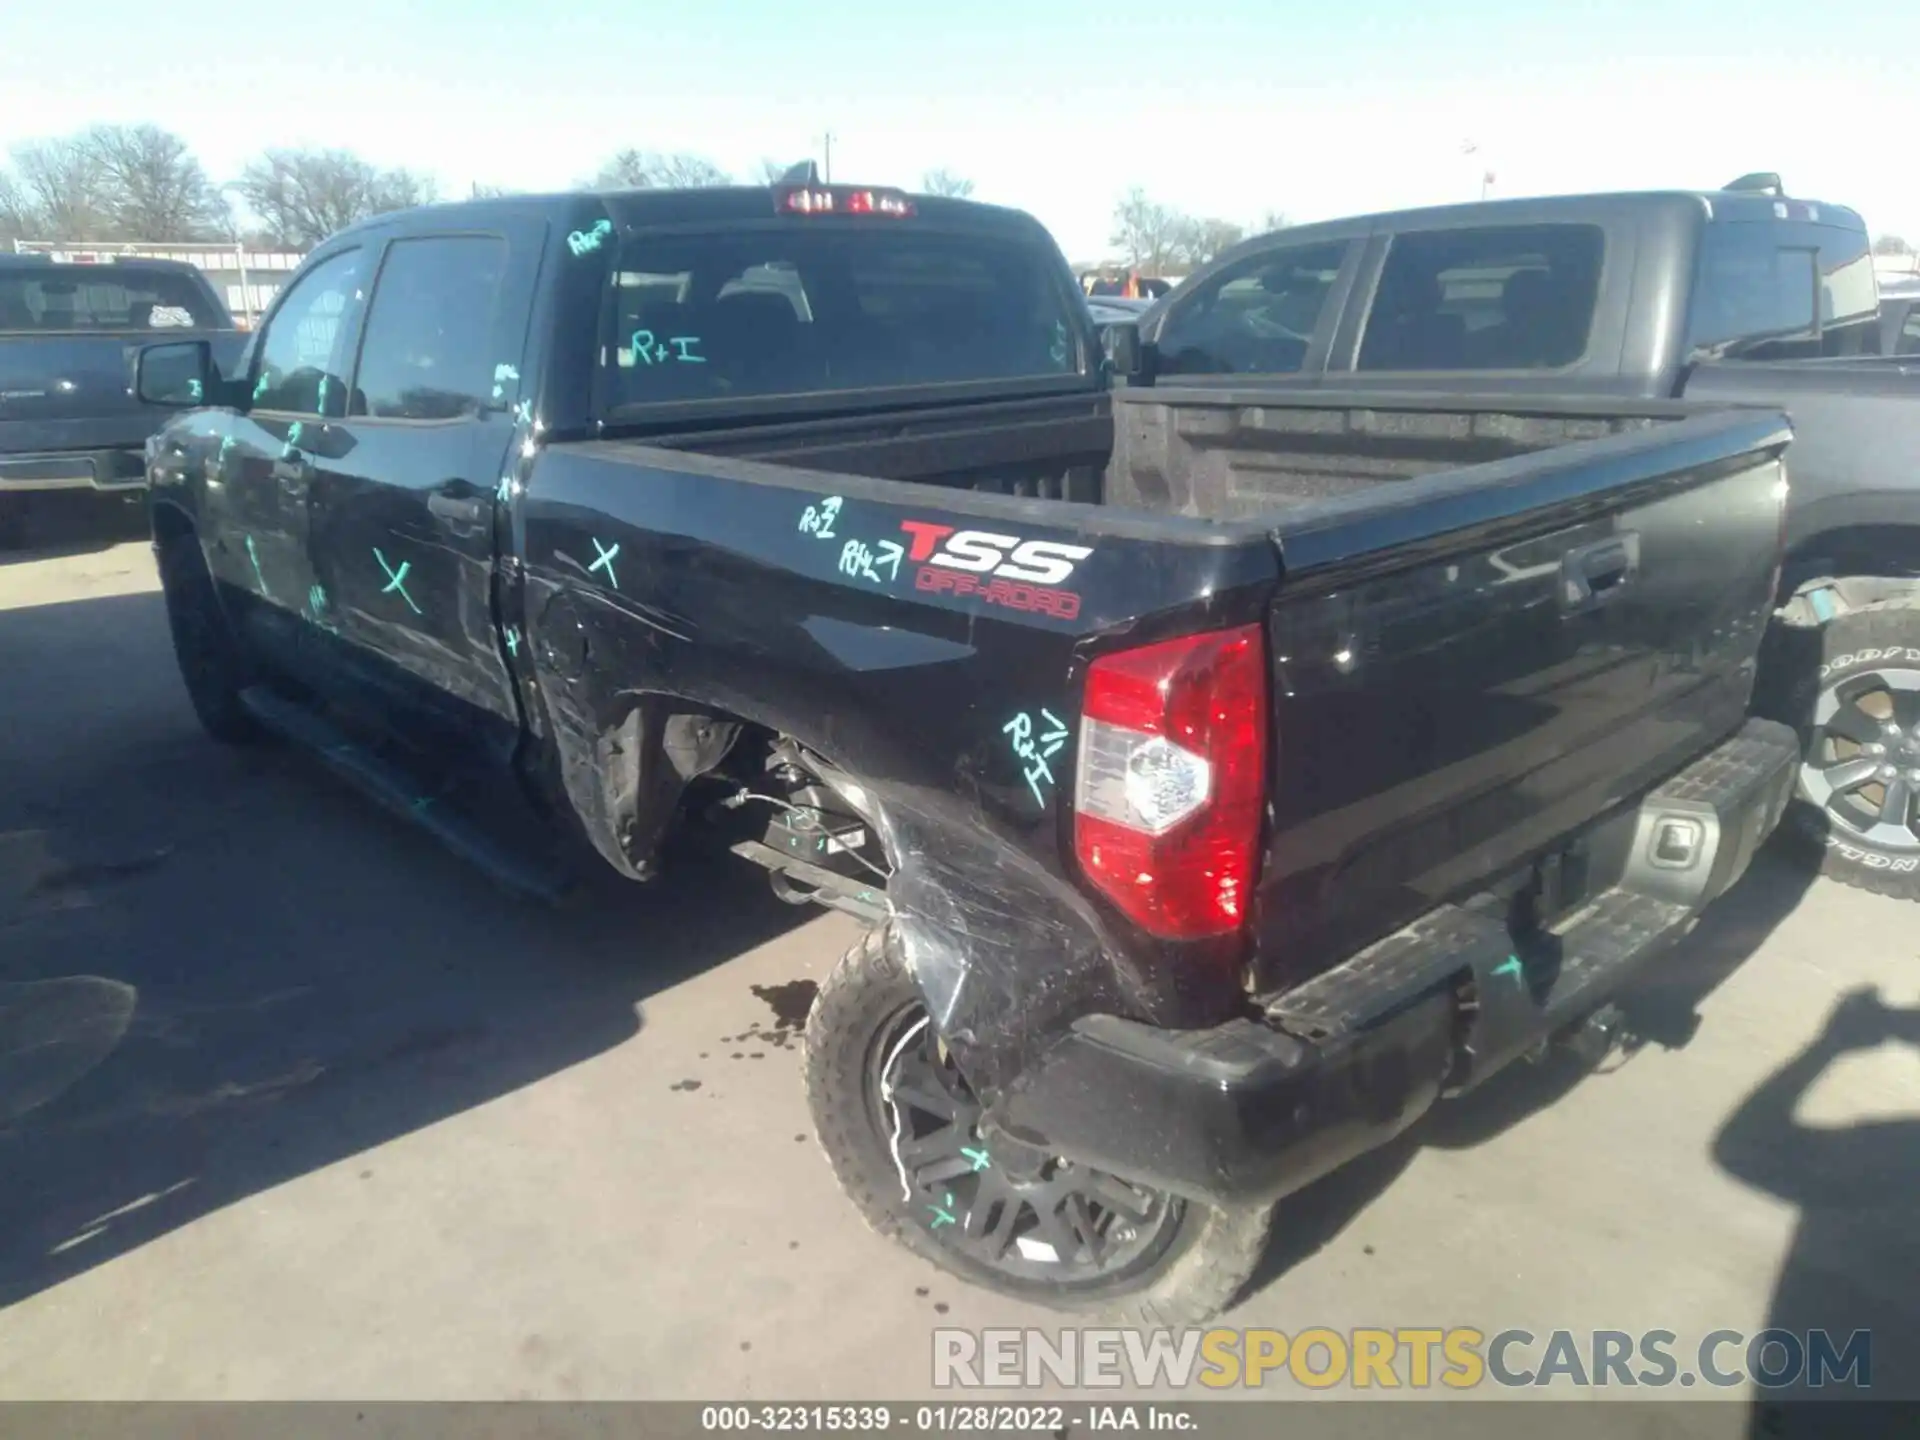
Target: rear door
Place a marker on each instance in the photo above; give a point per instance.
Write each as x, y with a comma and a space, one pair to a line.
1522, 308
403, 501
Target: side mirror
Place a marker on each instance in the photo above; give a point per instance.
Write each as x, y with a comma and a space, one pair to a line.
1124, 353
178, 374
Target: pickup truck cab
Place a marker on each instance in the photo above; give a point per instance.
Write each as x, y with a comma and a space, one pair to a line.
69, 418
1225, 772
1743, 296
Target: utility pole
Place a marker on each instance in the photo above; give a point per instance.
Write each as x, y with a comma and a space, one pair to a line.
827, 155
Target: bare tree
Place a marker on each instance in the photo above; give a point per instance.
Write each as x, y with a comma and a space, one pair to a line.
1273, 220
153, 188
945, 182
1146, 231
1196, 241
646, 170
1891, 245
478, 191
19, 217
303, 196
58, 191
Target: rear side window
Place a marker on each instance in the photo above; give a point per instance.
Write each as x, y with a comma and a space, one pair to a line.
427, 352
1766, 291
1516, 297
300, 361
105, 297
737, 315
1256, 317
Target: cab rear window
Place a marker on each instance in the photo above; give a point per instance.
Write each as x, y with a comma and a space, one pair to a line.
119, 297
793, 309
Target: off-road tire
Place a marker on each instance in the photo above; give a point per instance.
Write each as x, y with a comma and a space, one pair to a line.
212, 667
1855, 643
1203, 1268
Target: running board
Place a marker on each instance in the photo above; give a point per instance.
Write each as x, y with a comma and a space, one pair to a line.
398, 791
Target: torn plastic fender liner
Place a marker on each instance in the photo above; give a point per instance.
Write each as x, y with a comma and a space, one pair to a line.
624, 757
1005, 948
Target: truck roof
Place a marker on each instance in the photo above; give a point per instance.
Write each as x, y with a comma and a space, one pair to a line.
713, 204
39, 260
1717, 204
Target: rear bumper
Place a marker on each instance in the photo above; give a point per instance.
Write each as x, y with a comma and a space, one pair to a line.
1252, 1110
112, 469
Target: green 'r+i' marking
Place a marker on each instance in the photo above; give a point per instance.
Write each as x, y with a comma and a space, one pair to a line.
1511, 966
397, 580
942, 1216
513, 641
978, 1157
605, 558
254, 556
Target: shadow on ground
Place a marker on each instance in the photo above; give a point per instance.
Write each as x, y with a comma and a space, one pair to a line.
220, 970
1662, 1008
56, 523
1850, 1271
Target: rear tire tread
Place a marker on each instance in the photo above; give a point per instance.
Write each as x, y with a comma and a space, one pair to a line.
1887, 625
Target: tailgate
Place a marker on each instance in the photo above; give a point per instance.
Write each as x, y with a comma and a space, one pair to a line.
1471, 665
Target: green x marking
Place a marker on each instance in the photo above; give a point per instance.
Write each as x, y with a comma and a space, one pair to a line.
254, 556
941, 1215
397, 579
1511, 966
604, 557
978, 1157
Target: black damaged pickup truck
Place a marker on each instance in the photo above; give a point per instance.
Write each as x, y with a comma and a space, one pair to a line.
1202, 852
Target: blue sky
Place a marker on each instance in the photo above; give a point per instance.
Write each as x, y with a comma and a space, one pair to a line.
1229, 108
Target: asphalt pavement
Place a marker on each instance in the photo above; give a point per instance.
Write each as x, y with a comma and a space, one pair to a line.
294, 1105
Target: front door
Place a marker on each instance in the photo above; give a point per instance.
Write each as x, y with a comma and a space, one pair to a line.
255, 516
403, 508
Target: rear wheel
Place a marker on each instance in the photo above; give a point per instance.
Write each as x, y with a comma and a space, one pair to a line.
211, 664
1857, 806
902, 1130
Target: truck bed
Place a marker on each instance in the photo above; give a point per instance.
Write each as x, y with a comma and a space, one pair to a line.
1446, 708
1202, 452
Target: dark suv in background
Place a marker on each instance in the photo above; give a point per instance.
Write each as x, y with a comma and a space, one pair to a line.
69, 331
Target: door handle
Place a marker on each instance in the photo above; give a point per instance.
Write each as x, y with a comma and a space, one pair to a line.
458, 511
1591, 575
292, 471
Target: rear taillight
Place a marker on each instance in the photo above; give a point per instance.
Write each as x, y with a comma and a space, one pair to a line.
1172, 780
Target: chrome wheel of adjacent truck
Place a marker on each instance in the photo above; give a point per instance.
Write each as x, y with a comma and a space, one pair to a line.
1859, 789
902, 1129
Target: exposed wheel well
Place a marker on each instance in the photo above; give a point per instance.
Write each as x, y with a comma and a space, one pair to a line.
1843, 570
